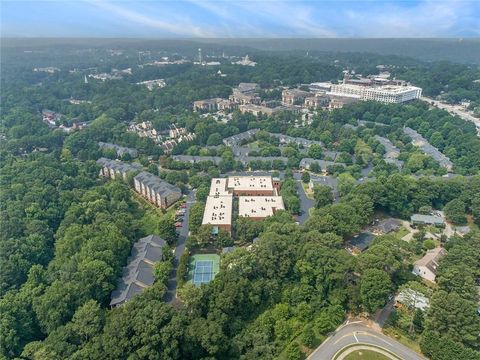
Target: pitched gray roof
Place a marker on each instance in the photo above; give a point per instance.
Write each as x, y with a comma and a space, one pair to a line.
238, 138
119, 165
121, 150
305, 162
154, 182
428, 149
362, 241
426, 219
297, 140
194, 159
388, 225
138, 273
432, 259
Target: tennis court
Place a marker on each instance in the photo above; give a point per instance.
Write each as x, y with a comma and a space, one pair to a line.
203, 268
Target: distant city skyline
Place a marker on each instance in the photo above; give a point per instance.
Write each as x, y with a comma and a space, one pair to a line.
207, 19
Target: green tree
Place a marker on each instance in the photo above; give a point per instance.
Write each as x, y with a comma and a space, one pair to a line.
167, 230
315, 151
305, 177
323, 195
454, 317
375, 287
315, 167
346, 183
455, 211
196, 216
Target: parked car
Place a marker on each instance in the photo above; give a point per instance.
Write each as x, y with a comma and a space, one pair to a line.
183, 206
178, 224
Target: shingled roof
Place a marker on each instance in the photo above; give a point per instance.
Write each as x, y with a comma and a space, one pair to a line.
138, 273
119, 165
432, 258
155, 183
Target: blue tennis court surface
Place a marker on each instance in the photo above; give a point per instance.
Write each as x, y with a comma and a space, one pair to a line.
203, 272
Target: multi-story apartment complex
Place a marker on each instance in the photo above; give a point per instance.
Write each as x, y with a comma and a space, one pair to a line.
207, 104
386, 94
113, 168
294, 96
155, 190
317, 101
258, 198
259, 207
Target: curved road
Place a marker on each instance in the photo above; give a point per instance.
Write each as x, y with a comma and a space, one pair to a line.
358, 332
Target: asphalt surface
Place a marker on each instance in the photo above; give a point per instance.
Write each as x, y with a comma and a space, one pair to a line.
170, 295
383, 314
455, 110
358, 332
305, 203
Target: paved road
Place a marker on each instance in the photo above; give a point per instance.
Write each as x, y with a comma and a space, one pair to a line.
455, 110
358, 332
180, 248
305, 203
383, 314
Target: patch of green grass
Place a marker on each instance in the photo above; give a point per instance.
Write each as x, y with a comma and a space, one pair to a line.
401, 337
152, 215
365, 355
307, 191
254, 145
401, 233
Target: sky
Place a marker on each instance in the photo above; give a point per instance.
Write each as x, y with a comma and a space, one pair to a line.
244, 19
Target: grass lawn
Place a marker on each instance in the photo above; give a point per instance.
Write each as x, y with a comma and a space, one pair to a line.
401, 233
149, 221
253, 145
365, 355
307, 191
398, 335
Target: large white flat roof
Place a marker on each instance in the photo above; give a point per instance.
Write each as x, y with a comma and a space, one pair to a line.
259, 206
245, 183
218, 210
218, 186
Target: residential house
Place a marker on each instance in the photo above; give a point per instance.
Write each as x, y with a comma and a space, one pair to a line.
420, 219
427, 266
386, 226
113, 168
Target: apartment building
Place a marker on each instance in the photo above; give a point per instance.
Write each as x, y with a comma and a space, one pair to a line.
317, 101
207, 104
259, 207
294, 96
257, 196
113, 169
156, 190
386, 94
119, 150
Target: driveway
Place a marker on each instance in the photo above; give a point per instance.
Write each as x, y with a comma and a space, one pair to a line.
358, 332
170, 295
382, 315
305, 203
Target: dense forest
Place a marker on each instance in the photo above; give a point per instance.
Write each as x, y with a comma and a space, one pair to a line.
66, 234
